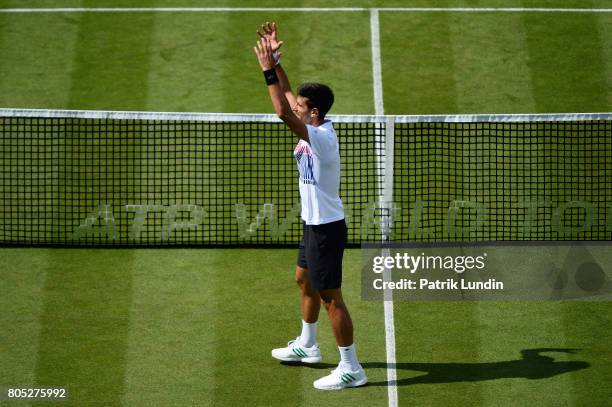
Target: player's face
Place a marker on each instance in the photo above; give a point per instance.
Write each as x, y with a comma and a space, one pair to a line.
303, 112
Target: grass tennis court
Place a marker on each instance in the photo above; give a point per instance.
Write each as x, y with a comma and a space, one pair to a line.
195, 327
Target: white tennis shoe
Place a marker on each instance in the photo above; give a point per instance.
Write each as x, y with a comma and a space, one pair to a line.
341, 378
295, 352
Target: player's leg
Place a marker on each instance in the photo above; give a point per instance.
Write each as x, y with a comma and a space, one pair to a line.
310, 301
349, 372
339, 316
304, 348
326, 277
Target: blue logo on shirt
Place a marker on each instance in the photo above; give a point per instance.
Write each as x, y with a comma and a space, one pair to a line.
305, 162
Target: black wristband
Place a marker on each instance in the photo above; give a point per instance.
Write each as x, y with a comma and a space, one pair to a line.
270, 76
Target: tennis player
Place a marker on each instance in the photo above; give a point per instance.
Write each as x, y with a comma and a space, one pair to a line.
319, 263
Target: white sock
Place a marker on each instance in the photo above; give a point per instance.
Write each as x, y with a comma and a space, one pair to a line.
348, 357
308, 336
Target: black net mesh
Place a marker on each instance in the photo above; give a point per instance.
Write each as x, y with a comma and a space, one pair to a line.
79, 181
135, 182
503, 181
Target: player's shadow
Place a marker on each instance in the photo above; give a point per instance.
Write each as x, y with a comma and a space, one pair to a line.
532, 366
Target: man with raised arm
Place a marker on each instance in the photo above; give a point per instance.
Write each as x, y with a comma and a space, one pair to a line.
319, 263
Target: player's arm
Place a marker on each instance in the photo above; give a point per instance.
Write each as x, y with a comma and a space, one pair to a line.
264, 52
270, 31
285, 86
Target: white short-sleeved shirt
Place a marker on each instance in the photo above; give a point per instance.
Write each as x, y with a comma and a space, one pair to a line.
318, 163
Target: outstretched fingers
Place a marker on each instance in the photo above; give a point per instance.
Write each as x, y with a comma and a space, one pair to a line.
260, 48
263, 31
264, 46
269, 28
264, 53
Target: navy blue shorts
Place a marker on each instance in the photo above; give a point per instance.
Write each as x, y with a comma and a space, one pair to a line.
321, 251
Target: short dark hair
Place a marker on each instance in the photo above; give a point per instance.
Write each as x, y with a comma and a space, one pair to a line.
318, 95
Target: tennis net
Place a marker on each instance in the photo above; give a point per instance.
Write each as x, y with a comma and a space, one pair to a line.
89, 178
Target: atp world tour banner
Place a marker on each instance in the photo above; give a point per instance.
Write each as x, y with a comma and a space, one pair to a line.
506, 271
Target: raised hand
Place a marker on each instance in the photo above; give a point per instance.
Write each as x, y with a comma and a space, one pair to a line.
269, 31
264, 53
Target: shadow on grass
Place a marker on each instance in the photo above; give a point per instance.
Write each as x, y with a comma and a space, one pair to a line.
532, 366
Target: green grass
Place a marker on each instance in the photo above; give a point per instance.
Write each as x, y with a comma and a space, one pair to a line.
195, 327
472, 353
169, 327
496, 63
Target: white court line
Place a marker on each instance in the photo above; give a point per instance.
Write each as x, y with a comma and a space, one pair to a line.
376, 65
172, 9
390, 347
496, 10
301, 9
385, 200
